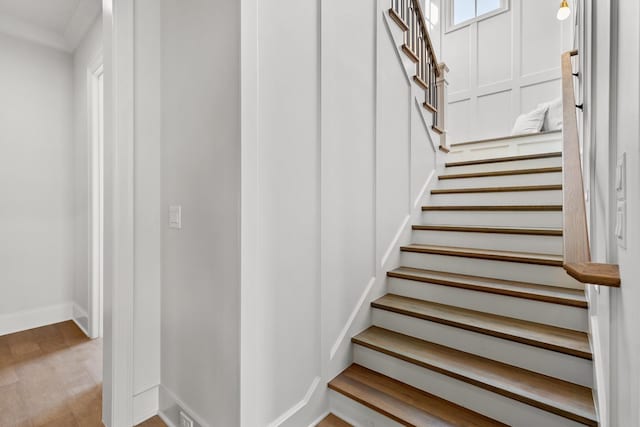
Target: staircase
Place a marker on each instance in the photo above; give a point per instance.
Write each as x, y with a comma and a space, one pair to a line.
481, 325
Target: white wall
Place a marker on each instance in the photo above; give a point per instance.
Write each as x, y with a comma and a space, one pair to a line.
625, 340
83, 57
612, 106
36, 173
149, 211
331, 176
593, 42
502, 66
285, 350
201, 172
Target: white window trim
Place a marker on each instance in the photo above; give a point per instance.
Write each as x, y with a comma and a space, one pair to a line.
449, 26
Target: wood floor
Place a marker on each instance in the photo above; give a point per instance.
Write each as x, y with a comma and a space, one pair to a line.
153, 422
52, 376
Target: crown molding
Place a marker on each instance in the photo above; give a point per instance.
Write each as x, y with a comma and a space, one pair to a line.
15, 27
83, 18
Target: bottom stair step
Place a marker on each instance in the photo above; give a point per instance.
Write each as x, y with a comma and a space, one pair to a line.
403, 403
333, 421
553, 395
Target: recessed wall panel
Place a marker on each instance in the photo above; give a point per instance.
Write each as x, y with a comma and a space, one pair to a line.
533, 95
458, 119
456, 46
541, 36
492, 112
393, 144
494, 49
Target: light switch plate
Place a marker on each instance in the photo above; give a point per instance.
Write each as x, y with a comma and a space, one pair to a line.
621, 224
185, 420
175, 216
621, 177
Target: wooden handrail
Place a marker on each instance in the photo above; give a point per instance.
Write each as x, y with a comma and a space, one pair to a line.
430, 74
577, 255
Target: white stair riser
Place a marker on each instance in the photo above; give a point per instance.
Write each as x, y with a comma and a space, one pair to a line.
491, 404
504, 148
552, 363
507, 242
509, 165
549, 178
357, 414
479, 152
544, 219
509, 198
521, 272
534, 311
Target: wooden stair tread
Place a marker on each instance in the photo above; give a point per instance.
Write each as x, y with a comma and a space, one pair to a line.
551, 394
489, 254
429, 107
501, 173
333, 421
436, 128
403, 403
502, 208
398, 20
410, 53
494, 230
519, 188
504, 159
553, 338
551, 294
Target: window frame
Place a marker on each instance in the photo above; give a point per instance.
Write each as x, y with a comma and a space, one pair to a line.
450, 26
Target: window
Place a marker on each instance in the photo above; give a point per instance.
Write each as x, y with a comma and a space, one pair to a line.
431, 11
467, 11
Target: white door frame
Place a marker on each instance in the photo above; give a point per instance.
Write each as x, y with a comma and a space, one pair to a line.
95, 75
596, 66
118, 48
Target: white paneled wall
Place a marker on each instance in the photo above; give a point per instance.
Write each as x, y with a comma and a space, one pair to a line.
331, 178
200, 80
502, 66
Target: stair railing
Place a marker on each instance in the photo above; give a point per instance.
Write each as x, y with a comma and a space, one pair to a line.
577, 255
430, 74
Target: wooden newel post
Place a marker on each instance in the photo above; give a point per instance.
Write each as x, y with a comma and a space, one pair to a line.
441, 123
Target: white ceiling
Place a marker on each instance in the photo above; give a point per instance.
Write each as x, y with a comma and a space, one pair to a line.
57, 23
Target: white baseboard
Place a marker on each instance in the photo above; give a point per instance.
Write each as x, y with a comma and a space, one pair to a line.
363, 304
358, 320
81, 318
298, 406
170, 406
320, 418
146, 404
35, 318
166, 420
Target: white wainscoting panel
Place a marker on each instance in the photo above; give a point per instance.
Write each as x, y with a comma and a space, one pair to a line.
502, 66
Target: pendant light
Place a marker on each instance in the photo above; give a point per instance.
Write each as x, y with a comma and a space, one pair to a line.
564, 11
